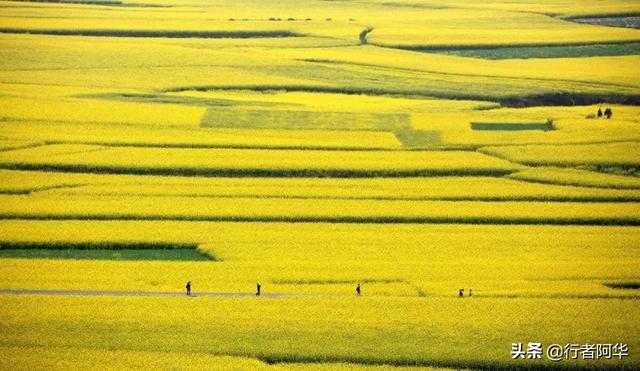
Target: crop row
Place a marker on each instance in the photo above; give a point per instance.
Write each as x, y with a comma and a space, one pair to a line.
251, 162
315, 210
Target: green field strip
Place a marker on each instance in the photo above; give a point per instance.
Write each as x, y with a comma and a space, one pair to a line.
548, 51
627, 20
103, 251
431, 48
249, 172
591, 221
629, 285
150, 33
512, 126
506, 100
104, 254
300, 120
569, 99
419, 138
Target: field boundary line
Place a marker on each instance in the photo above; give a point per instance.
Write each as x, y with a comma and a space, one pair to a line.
594, 221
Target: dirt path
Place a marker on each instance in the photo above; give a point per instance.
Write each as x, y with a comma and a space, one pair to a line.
139, 293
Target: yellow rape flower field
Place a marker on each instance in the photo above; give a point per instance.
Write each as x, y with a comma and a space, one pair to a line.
319, 185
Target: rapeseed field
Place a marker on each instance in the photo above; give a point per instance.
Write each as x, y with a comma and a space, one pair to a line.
319, 185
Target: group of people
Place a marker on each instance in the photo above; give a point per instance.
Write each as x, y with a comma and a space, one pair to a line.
358, 290
607, 113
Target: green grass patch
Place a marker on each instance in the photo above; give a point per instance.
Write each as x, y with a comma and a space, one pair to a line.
512, 126
292, 119
548, 51
102, 251
418, 138
124, 254
627, 20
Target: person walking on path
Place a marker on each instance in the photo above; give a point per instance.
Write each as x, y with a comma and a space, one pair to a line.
258, 286
470, 293
461, 293
358, 289
188, 288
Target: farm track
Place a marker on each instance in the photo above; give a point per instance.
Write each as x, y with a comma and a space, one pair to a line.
139, 293
124, 293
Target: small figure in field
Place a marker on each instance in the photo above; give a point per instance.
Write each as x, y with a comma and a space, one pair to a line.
358, 290
470, 293
599, 112
608, 113
461, 293
258, 287
188, 288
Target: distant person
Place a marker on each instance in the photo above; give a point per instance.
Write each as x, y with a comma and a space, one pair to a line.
461, 293
608, 113
258, 287
188, 288
599, 112
358, 290
470, 293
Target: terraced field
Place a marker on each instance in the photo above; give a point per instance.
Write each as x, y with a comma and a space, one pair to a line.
408, 148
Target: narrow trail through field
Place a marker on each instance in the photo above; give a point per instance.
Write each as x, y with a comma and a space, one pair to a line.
141, 293
124, 293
